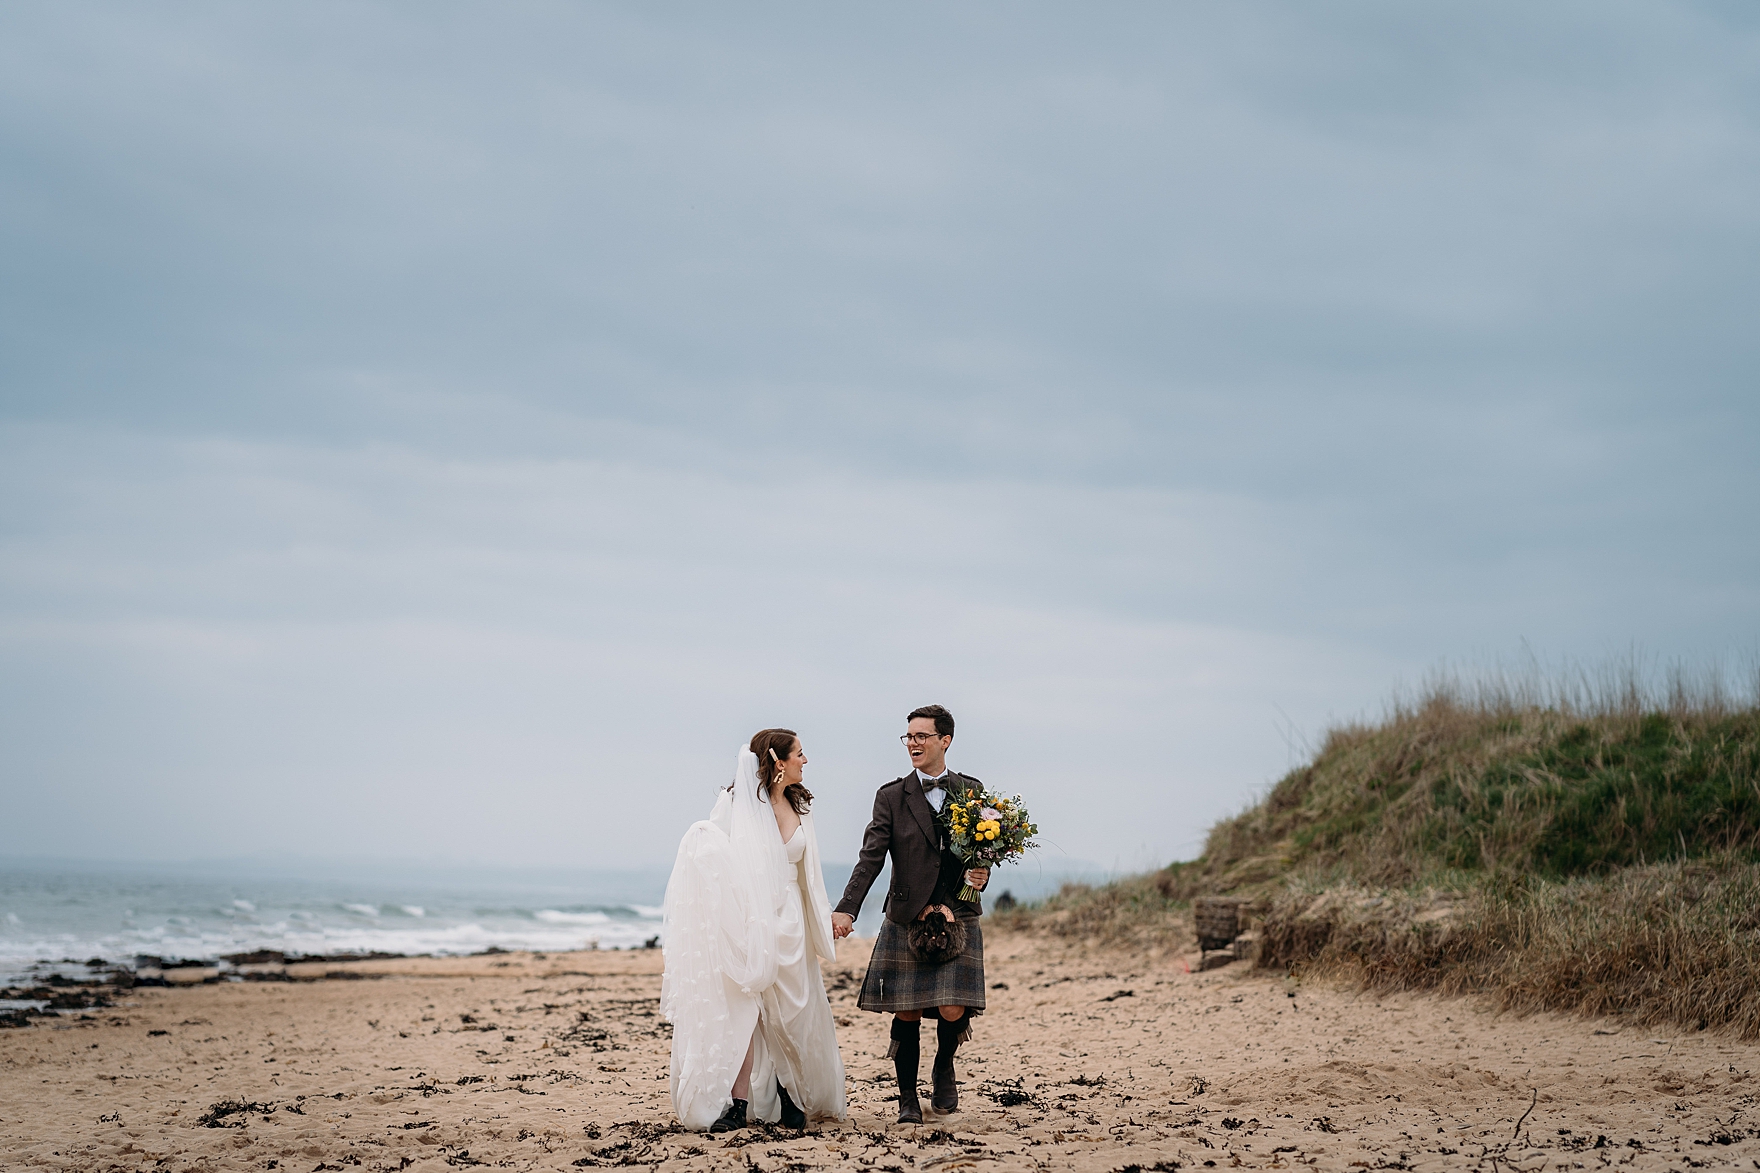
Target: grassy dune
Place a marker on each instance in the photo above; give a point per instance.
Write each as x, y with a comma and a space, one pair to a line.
1592, 848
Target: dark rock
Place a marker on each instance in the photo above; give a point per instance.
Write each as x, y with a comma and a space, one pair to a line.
256, 957
84, 999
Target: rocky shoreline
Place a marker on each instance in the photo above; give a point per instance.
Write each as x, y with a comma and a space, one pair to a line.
53, 993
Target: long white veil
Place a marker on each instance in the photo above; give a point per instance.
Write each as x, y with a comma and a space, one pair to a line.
720, 934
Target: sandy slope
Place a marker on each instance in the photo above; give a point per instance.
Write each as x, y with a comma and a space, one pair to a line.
1086, 1061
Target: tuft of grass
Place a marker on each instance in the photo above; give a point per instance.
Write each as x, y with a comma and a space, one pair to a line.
1148, 912
1468, 779
1671, 943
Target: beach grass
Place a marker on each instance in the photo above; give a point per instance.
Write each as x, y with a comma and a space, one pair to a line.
1675, 943
1586, 842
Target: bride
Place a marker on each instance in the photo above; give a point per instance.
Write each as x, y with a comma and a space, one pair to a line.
746, 922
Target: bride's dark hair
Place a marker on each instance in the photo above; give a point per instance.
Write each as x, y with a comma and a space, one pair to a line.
782, 743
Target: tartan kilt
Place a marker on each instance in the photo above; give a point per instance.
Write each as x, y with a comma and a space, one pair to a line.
896, 980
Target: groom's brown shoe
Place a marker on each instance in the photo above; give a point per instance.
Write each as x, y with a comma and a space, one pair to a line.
947, 1037
906, 1054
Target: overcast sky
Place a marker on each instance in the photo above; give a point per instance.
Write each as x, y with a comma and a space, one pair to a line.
446, 431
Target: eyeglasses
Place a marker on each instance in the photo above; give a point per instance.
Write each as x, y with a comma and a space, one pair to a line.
918, 738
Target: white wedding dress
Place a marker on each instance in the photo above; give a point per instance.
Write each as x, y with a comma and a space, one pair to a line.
746, 922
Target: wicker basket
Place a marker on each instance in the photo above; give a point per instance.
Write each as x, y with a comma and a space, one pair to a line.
1218, 921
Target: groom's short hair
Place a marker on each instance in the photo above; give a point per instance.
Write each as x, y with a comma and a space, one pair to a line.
942, 718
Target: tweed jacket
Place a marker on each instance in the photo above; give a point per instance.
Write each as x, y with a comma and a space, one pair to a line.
904, 826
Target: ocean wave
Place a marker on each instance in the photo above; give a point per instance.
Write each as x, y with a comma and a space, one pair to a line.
551, 917
16, 955
197, 920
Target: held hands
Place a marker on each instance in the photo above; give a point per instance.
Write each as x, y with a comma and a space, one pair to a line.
842, 923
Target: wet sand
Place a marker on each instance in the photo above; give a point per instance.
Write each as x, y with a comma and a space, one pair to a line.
1086, 1060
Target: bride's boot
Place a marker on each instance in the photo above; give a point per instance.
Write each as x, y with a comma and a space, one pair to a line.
792, 1117
948, 1036
905, 1054
731, 1120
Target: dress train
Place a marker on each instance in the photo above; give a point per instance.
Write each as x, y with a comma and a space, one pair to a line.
746, 922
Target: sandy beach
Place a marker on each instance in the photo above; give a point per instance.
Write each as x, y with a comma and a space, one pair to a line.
1086, 1060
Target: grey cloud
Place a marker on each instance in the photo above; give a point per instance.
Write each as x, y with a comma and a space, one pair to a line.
398, 397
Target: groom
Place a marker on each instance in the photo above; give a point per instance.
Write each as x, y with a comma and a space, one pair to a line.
925, 876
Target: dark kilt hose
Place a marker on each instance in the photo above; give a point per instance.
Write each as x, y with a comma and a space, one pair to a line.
924, 872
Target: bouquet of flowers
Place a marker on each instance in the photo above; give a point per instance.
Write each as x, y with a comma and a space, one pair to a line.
986, 829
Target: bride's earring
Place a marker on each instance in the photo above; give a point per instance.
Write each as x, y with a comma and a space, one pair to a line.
777, 776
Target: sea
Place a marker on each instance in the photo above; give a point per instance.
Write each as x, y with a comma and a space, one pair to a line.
56, 914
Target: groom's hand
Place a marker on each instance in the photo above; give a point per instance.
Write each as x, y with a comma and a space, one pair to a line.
842, 924
978, 877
